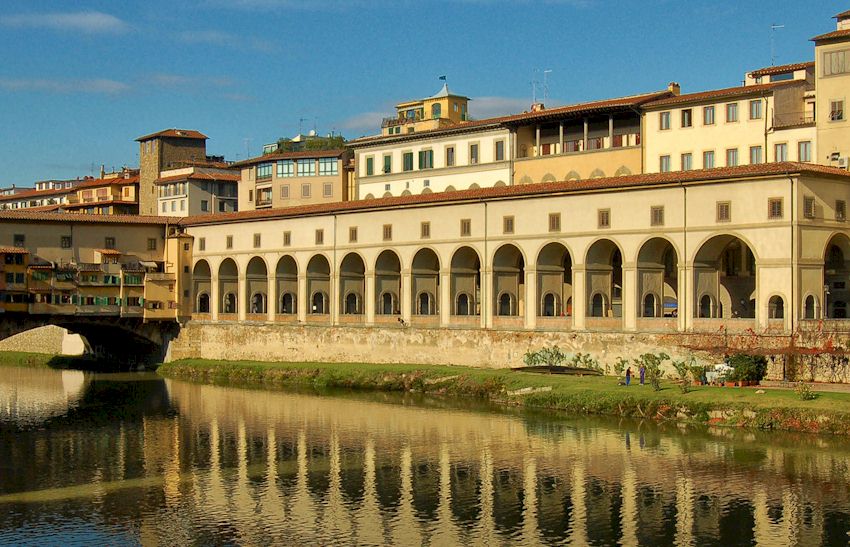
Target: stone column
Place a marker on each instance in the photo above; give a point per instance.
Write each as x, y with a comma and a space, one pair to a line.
486, 302
531, 302
334, 298
303, 304
579, 297
369, 298
445, 297
407, 295
585, 135
242, 298
629, 297
215, 297
271, 296
561, 149
610, 131
537, 141
685, 299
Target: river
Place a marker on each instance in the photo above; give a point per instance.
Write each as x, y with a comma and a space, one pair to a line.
95, 459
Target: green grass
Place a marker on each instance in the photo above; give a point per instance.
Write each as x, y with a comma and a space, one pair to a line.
25, 359
774, 409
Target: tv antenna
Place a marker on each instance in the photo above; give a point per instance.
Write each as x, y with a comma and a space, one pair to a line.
246, 143
773, 28
546, 74
301, 124
534, 83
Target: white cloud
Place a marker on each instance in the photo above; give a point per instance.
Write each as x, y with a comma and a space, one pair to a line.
92, 22
226, 39
163, 79
102, 86
365, 121
490, 107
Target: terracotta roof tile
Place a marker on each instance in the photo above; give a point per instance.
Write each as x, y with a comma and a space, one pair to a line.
729, 92
832, 35
842, 15
780, 69
13, 251
175, 133
109, 252
107, 182
45, 216
529, 190
81, 205
290, 156
199, 176
39, 193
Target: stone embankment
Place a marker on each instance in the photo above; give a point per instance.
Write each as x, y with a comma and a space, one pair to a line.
50, 339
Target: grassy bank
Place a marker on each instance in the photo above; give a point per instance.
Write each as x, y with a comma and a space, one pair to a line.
775, 409
46, 360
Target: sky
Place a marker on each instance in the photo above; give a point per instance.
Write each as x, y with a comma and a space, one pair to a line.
81, 79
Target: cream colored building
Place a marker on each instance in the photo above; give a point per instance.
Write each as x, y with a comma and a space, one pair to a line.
197, 190
832, 68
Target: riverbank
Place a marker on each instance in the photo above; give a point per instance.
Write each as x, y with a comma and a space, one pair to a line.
775, 409
47, 360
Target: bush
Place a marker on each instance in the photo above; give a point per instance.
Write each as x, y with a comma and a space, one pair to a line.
748, 368
551, 357
584, 360
620, 366
652, 363
684, 370
804, 392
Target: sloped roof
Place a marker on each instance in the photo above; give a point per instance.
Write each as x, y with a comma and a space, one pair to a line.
781, 69
175, 133
336, 153
727, 93
842, 15
13, 251
45, 216
832, 35
199, 176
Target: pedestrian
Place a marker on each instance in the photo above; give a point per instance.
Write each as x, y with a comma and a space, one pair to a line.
642, 371
628, 376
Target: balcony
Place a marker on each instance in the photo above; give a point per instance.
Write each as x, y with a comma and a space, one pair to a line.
171, 278
793, 119
396, 120
263, 203
578, 146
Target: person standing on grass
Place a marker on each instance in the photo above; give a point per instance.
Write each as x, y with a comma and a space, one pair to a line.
642, 371
628, 375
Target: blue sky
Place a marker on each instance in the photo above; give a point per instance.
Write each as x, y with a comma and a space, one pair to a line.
81, 79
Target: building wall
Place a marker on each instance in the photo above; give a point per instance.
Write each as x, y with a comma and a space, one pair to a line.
249, 187
833, 136
578, 165
157, 154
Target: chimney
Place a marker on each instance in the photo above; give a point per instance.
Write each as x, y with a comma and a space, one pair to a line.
537, 107
674, 88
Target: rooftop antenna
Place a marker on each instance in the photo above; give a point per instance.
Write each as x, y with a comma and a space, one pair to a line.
534, 83
773, 28
301, 124
546, 74
246, 142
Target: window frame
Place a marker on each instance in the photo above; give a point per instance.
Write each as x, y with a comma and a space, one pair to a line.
664, 121
733, 108
656, 215
775, 208
706, 118
603, 218
723, 211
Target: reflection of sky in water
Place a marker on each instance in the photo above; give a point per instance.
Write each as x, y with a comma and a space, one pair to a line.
170, 462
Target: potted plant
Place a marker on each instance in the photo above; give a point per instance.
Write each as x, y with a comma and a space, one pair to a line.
748, 370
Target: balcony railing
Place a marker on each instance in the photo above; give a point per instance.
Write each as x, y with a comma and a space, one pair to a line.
792, 119
160, 277
392, 122
264, 202
573, 146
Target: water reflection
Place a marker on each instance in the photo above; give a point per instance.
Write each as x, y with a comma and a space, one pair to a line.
133, 458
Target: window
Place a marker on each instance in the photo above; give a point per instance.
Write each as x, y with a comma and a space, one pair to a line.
18, 240
508, 225
809, 206
708, 115
708, 159
173, 206
307, 168
388, 164
604, 216
774, 208
286, 168
264, 171
554, 222
257, 241
664, 121
205, 205
328, 167
687, 161
320, 237
425, 230
151, 243
65, 242
163, 206
755, 109
202, 244
388, 232
221, 206
465, 227
305, 190
228, 244
724, 211
664, 164
250, 195
836, 111
182, 204
731, 157
284, 191
656, 215
387, 187
731, 112
836, 62
687, 117
352, 234
109, 243
450, 156
500, 150
287, 238
804, 151
407, 161
426, 159
327, 190
370, 166
755, 155
473, 154
780, 152
840, 209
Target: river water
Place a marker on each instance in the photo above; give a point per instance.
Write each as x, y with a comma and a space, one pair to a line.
134, 459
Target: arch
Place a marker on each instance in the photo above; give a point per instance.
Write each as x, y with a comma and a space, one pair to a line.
573, 175
474, 186
810, 307
776, 307
258, 302
387, 283
622, 171
836, 273
597, 174
604, 276
550, 306
508, 280
598, 305
706, 306
228, 304
658, 274
288, 304
548, 177
650, 305
425, 280
450, 188
387, 195
318, 284
526, 180
286, 281
465, 278
319, 303
407, 193
499, 184
369, 196
228, 285
352, 283
202, 285
554, 277
426, 191
724, 269
202, 305
256, 285
436, 111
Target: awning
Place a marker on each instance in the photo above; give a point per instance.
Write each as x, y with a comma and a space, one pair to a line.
148, 264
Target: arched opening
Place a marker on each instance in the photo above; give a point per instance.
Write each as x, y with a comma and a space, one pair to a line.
776, 307
388, 283
425, 280
604, 275
465, 275
658, 275
809, 308
318, 284
256, 285
650, 306
706, 306
228, 285
836, 273
598, 307
554, 280
352, 283
724, 269
202, 286
509, 280
286, 279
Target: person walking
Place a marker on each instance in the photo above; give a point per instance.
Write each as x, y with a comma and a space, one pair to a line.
628, 376
642, 371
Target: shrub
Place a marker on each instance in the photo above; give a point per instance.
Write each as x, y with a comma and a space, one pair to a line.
804, 392
683, 369
620, 366
652, 364
584, 360
551, 357
751, 368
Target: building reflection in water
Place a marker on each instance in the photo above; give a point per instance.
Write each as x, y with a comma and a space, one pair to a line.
256, 467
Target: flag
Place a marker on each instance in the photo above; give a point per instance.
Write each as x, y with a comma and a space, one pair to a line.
443, 78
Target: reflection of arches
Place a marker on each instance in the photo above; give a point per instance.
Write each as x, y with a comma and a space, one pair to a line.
203, 304
288, 303
776, 307
319, 302
724, 269
622, 171
425, 304
548, 177
809, 311
465, 275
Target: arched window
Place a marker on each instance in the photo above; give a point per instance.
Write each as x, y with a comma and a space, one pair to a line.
436, 110
320, 303
506, 301
650, 306
387, 303
287, 303
776, 308
705, 306
835, 260
464, 305
229, 303
568, 308
203, 303
810, 307
597, 305
352, 303
258, 303
425, 304
550, 305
